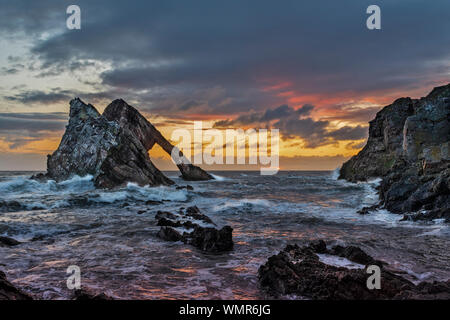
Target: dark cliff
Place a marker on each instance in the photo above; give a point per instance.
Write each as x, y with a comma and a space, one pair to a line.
408, 147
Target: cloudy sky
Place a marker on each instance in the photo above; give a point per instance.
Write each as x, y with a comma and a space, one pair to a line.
309, 68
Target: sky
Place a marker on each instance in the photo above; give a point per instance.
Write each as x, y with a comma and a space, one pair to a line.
311, 69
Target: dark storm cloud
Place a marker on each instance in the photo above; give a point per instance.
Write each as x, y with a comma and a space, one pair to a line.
31, 122
320, 47
35, 116
285, 111
36, 96
255, 118
353, 114
58, 95
189, 105
316, 133
19, 129
349, 133
30, 17
296, 124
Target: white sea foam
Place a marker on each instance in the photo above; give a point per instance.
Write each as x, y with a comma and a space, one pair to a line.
234, 204
21, 185
339, 261
78, 183
34, 195
137, 193
218, 178
335, 173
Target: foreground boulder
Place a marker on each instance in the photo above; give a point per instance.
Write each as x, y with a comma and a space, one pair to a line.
9, 292
194, 228
112, 147
339, 273
408, 146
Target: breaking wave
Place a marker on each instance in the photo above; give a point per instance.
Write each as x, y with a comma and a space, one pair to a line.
335, 173
23, 193
218, 178
242, 204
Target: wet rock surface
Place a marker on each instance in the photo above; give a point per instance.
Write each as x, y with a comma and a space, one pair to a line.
408, 147
302, 272
9, 292
192, 227
367, 210
10, 206
112, 147
88, 294
8, 242
188, 187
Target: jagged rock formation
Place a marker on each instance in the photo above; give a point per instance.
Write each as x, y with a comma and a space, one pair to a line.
309, 272
408, 146
112, 147
194, 228
9, 292
128, 117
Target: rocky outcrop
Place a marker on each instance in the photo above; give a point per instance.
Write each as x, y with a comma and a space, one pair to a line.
194, 228
408, 147
339, 273
9, 292
112, 147
128, 117
8, 242
88, 294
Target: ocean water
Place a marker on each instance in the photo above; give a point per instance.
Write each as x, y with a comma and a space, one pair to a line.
72, 223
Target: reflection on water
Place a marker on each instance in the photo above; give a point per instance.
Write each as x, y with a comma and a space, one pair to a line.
118, 251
